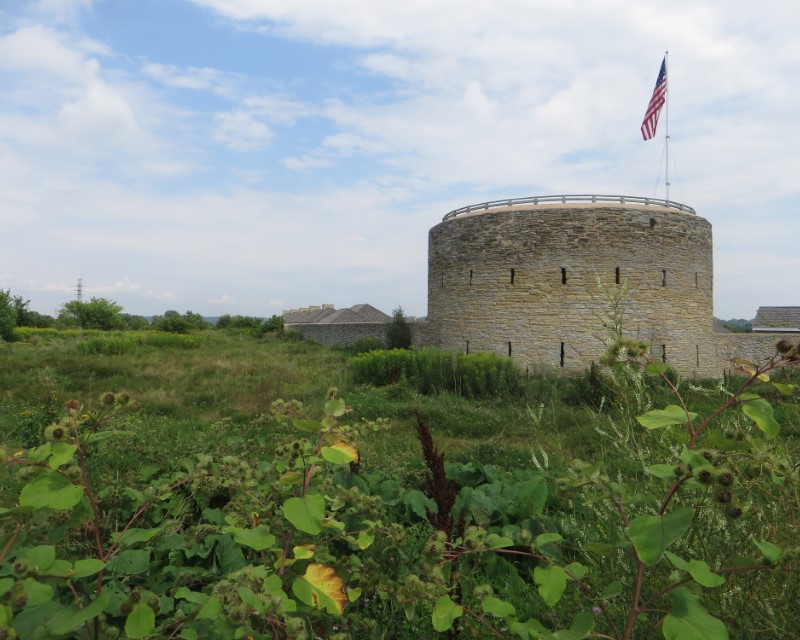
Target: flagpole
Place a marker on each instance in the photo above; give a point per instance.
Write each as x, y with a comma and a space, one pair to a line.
666, 128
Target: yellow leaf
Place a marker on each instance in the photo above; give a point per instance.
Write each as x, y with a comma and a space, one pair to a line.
304, 552
327, 585
340, 453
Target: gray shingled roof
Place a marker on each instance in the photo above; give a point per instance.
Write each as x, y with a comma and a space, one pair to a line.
777, 319
329, 315
308, 315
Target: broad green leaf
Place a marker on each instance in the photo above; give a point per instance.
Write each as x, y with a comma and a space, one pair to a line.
305, 514
59, 569
552, 582
335, 407
6, 584
42, 556
321, 587
688, 620
141, 621
259, 538
576, 570
365, 539
105, 435
547, 538
61, 454
250, 598
531, 628
14, 511
494, 541
273, 585
656, 368
611, 590
195, 597
651, 535
698, 569
445, 613
498, 608
340, 453
353, 594
40, 453
30, 622
664, 471
211, 610
37, 592
785, 389
72, 618
760, 412
770, 551
51, 490
309, 426
304, 552
130, 562
88, 567
658, 418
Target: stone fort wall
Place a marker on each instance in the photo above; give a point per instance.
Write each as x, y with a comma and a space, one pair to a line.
534, 282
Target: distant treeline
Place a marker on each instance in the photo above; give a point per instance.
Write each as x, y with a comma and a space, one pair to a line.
737, 325
107, 315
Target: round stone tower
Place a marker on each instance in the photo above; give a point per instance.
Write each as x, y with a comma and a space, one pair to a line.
536, 279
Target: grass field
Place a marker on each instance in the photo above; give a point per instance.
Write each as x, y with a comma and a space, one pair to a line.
211, 393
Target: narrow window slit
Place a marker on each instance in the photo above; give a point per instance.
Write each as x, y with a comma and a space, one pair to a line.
561, 355
467, 347
470, 277
663, 277
563, 275
696, 280
663, 353
697, 353
616, 275
509, 349
513, 274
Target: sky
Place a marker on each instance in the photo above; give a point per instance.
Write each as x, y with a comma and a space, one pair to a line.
250, 156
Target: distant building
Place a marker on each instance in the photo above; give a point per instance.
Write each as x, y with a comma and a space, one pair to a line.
777, 320
330, 326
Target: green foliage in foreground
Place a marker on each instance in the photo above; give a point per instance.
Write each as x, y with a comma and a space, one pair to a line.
431, 371
695, 537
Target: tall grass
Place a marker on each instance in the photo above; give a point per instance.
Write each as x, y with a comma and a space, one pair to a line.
432, 371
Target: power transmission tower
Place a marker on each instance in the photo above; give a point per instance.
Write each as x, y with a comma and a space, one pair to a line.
79, 290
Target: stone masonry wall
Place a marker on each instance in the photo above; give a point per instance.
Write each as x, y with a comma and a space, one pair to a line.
523, 282
756, 347
343, 334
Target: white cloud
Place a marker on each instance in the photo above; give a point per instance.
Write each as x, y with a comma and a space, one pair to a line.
240, 131
307, 162
41, 50
100, 115
279, 108
195, 78
63, 10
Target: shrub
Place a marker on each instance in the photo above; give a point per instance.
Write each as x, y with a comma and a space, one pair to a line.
364, 345
430, 371
398, 333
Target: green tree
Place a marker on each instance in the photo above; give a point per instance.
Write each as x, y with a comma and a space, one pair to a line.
98, 313
8, 315
28, 318
134, 322
174, 322
398, 333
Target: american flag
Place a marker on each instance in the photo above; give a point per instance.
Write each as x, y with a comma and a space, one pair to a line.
656, 102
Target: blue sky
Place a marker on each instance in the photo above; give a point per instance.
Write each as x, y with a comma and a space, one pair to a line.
250, 156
